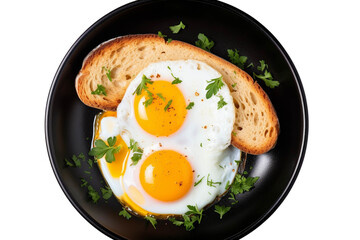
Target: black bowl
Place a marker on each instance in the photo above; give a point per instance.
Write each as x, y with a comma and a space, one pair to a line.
68, 123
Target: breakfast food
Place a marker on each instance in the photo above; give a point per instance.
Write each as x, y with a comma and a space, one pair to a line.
186, 156
120, 60
176, 122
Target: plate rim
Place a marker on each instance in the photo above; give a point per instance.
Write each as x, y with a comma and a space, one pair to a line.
215, 3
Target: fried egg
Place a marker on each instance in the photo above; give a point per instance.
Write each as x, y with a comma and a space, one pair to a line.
182, 140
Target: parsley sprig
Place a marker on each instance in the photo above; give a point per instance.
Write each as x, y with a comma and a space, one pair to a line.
221, 102
125, 214
242, 184
204, 42
221, 210
210, 182
266, 76
152, 220
102, 149
190, 217
177, 28
107, 72
214, 86
236, 59
176, 79
137, 152
190, 105
142, 85
167, 105
99, 90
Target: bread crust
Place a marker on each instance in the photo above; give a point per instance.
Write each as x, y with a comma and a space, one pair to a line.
256, 127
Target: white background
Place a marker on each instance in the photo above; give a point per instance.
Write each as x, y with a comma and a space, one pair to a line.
322, 39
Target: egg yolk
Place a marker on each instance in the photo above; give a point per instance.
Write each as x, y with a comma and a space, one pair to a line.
161, 109
166, 175
117, 167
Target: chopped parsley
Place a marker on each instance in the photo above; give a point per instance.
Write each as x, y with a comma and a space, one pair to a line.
177, 28
204, 42
102, 149
152, 220
221, 210
266, 75
84, 183
176, 79
108, 73
198, 182
106, 192
99, 90
190, 217
169, 40
190, 106
233, 85
210, 182
221, 102
167, 105
243, 184
75, 160
176, 222
137, 152
125, 214
161, 35
214, 86
232, 197
150, 98
94, 195
142, 85
161, 96
236, 59
90, 162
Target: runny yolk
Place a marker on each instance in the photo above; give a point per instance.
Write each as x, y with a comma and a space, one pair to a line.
154, 116
166, 175
117, 167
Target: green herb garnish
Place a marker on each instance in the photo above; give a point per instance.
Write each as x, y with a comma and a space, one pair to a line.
76, 161
125, 214
108, 73
99, 90
221, 210
137, 152
213, 87
102, 149
84, 183
161, 35
94, 195
161, 96
266, 75
210, 182
167, 105
106, 192
152, 220
198, 182
221, 102
236, 59
142, 85
242, 184
190, 106
204, 42
176, 222
150, 98
177, 28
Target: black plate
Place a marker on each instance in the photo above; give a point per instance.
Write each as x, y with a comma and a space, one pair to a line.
68, 123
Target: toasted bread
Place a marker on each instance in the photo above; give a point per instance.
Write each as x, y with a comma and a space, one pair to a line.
256, 125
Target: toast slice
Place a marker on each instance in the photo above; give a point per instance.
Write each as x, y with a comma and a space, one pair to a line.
256, 127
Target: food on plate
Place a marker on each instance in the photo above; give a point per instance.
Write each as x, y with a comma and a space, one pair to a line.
108, 70
177, 121
170, 157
